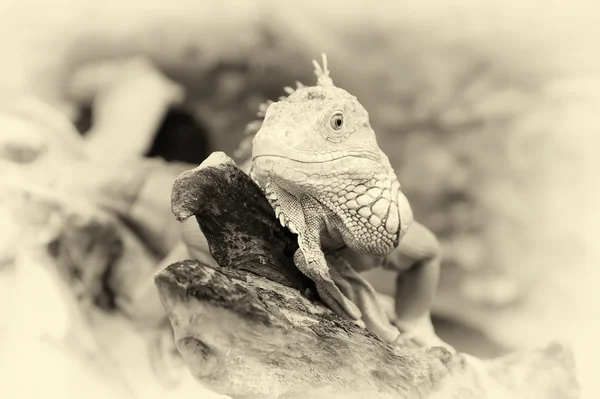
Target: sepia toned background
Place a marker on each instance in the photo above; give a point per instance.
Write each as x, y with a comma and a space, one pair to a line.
489, 111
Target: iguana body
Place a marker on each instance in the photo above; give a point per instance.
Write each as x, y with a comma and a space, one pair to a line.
317, 159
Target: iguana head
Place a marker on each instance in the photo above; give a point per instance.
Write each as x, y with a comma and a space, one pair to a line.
318, 142
317, 124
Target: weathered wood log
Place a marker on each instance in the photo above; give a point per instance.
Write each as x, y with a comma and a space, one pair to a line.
245, 329
238, 221
246, 336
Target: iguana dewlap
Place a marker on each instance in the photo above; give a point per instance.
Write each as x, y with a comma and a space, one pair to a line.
317, 159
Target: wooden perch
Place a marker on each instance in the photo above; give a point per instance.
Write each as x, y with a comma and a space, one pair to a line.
238, 221
247, 330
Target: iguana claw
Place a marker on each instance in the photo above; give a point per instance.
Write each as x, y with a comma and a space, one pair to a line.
421, 332
328, 291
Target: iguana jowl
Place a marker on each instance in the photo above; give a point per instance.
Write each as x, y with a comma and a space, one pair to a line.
317, 159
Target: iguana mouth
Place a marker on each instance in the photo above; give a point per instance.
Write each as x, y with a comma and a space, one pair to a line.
314, 161
270, 147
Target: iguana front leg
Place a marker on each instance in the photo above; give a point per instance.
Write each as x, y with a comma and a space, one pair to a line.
364, 296
417, 260
303, 217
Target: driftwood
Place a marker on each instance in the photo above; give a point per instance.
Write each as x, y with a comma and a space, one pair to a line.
253, 328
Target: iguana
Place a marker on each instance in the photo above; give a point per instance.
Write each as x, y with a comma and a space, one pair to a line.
317, 159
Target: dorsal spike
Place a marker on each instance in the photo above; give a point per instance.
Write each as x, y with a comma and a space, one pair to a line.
323, 78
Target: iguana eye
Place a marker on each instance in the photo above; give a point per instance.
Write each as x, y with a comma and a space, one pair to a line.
334, 126
337, 121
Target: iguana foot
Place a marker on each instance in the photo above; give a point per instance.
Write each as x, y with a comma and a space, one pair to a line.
331, 295
328, 291
363, 294
421, 332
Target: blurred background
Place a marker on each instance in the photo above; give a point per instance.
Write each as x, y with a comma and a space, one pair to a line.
487, 110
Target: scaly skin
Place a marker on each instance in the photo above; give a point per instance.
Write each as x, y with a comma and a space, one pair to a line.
317, 159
